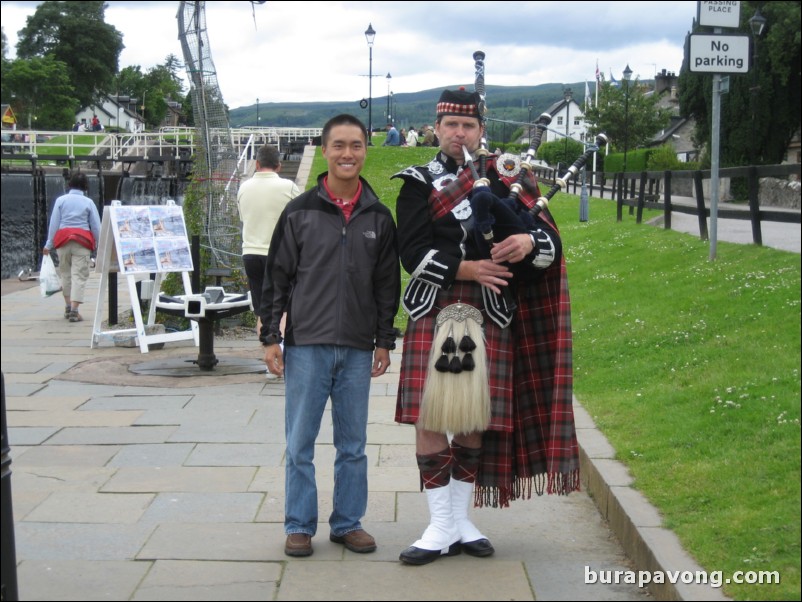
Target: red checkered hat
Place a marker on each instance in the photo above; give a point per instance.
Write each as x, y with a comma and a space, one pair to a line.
458, 102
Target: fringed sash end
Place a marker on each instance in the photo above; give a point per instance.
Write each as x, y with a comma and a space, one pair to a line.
561, 483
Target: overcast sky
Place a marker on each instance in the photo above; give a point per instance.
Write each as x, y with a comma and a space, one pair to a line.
317, 51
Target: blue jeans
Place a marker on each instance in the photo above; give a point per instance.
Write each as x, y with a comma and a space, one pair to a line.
312, 374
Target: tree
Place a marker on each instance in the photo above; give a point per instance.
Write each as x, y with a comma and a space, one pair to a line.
42, 94
761, 112
4, 63
163, 85
560, 151
174, 66
152, 89
627, 115
76, 34
130, 81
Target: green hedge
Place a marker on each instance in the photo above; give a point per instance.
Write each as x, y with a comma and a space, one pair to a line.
661, 158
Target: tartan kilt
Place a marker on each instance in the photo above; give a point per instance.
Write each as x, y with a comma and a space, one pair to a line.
541, 453
417, 356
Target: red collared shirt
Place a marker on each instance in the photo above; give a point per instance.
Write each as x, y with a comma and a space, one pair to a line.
347, 207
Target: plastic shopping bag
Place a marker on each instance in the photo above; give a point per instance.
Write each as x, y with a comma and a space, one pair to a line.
49, 281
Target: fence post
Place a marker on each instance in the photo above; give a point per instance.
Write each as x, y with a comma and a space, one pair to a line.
754, 205
700, 205
667, 208
618, 179
641, 197
630, 192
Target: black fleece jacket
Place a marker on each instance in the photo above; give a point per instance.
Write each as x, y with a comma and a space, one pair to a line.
339, 283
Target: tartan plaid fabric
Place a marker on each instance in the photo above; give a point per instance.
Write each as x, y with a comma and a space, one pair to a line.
435, 469
531, 191
542, 450
441, 202
466, 462
417, 351
455, 108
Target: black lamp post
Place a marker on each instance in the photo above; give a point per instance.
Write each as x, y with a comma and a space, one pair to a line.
389, 112
627, 75
757, 24
257, 112
529, 121
370, 34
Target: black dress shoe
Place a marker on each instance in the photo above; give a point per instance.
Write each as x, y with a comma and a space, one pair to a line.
419, 556
480, 547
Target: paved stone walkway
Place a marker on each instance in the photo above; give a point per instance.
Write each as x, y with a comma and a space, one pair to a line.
132, 487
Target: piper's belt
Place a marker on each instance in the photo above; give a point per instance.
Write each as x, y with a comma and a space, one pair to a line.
420, 296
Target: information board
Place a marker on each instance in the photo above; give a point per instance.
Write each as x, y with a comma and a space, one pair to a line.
150, 238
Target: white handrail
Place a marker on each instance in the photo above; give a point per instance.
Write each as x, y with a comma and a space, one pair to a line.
167, 141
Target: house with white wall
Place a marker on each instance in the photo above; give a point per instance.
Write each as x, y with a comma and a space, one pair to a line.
113, 111
567, 119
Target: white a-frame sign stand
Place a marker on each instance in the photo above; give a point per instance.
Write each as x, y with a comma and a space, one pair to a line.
138, 241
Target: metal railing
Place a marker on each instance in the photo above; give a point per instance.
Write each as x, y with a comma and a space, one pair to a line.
117, 147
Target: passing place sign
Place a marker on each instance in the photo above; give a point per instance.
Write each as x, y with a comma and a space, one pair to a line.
719, 14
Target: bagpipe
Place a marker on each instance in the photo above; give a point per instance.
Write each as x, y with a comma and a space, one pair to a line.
509, 215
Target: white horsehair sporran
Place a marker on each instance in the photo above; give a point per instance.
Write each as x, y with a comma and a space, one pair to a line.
456, 396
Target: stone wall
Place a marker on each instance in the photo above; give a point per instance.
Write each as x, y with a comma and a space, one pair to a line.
686, 187
775, 192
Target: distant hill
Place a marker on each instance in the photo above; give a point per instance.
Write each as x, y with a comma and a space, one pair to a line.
510, 103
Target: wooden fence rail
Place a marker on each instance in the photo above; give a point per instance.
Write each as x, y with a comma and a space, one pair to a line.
653, 190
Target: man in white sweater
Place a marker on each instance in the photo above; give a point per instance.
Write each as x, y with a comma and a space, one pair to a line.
260, 200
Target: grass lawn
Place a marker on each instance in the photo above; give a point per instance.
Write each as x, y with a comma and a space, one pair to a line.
690, 367
83, 144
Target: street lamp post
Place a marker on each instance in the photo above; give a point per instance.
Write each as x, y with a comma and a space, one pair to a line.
370, 34
529, 121
389, 107
627, 75
757, 23
257, 112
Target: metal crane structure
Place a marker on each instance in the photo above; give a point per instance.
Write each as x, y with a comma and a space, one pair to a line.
219, 170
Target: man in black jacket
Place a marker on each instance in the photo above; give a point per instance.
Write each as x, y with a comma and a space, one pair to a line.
333, 267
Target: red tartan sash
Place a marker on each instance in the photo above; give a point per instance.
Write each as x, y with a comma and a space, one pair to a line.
442, 202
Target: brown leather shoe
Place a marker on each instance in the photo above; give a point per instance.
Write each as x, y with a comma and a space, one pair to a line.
298, 544
359, 541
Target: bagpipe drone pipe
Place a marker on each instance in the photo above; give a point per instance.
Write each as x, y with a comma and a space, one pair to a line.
496, 217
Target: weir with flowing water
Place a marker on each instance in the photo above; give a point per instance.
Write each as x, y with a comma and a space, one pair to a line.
28, 198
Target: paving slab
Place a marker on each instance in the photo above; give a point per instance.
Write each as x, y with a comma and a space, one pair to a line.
79, 579
191, 581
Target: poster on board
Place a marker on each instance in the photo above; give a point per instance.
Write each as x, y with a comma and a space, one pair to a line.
150, 238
